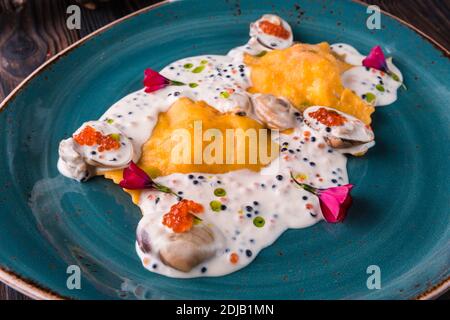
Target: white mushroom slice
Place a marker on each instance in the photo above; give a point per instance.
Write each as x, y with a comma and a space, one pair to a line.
184, 251
275, 112
71, 164
347, 131
181, 251
358, 150
281, 40
105, 159
143, 238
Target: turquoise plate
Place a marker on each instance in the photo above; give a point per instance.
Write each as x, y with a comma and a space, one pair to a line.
400, 220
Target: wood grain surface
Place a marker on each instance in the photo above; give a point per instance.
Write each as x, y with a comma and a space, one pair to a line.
30, 36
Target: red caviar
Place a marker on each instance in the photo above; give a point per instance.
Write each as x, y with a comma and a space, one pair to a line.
274, 30
234, 258
90, 137
181, 215
327, 117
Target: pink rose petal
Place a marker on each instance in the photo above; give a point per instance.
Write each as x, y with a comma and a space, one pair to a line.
134, 178
376, 60
154, 81
334, 202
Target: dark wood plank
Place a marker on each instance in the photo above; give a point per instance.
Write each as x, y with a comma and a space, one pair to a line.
7, 293
38, 31
429, 16
32, 35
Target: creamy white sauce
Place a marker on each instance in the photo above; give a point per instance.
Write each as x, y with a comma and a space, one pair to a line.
252, 47
221, 81
365, 81
137, 114
279, 201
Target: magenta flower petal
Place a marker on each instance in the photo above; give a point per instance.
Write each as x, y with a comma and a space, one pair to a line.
134, 178
334, 202
154, 81
133, 169
153, 88
376, 60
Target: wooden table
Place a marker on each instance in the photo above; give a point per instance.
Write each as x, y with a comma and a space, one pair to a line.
30, 37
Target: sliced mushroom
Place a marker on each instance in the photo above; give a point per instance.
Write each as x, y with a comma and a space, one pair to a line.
275, 112
181, 251
272, 32
339, 143
143, 240
340, 130
184, 251
358, 150
81, 162
107, 159
71, 164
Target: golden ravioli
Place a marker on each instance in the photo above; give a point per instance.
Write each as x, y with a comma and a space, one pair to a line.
306, 75
186, 115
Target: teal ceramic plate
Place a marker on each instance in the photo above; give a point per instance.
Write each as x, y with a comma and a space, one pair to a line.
400, 220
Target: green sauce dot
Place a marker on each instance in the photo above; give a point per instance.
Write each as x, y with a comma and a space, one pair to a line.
259, 222
109, 121
394, 76
379, 87
198, 69
215, 205
188, 65
115, 136
224, 94
204, 61
370, 97
220, 192
193, 85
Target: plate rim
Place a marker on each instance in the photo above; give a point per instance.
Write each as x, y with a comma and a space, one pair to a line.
36, 291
